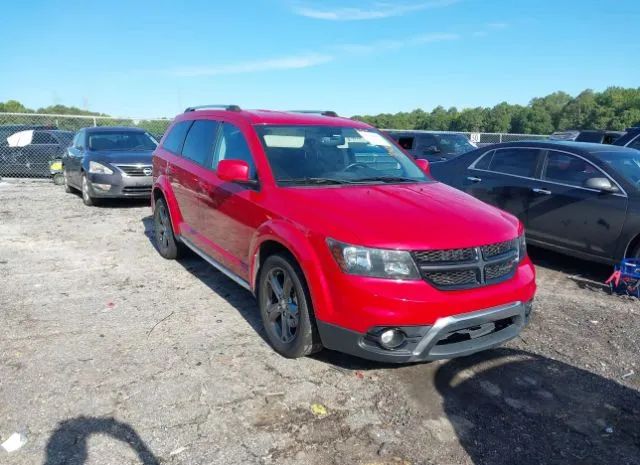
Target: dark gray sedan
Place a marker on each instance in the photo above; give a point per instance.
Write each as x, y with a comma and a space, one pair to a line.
576, 198
109, 162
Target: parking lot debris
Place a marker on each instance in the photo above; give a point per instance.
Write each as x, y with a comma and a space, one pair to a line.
608, 430
14, 442
177, 451
319, 410
157, 323
628, 375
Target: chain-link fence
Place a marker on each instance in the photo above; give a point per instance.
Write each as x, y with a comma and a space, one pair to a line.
30, 143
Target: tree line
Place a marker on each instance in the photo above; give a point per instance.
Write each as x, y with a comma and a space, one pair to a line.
616, 108
156, 127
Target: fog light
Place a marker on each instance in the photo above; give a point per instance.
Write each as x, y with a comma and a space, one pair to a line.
102, 187
391, 338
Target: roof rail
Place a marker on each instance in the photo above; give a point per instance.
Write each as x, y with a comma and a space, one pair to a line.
213, 107
317, 112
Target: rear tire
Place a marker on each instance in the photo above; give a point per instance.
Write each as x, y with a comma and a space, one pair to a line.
166, 242
58, 179
286, 308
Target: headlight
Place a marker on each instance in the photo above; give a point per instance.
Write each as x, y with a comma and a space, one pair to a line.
378, 263
522, 247
99, 168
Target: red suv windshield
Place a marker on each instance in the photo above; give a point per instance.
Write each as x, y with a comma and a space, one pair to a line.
334, 154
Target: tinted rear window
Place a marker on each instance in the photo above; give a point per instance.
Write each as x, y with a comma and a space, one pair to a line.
199, 144
590, 137
516, 161
175, 139
406, 142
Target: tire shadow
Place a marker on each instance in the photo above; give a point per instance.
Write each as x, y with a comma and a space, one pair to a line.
510, 406
581, 271
68, 444
235, 295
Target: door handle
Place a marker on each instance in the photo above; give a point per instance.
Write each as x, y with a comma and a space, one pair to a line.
473, 179
541, 191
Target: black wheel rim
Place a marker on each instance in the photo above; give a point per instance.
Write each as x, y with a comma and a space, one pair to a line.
282, 305
163, 227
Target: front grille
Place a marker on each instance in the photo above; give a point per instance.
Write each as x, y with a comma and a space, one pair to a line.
450, 269
446, 255
135, 170
492, 250
493, 272
452, 278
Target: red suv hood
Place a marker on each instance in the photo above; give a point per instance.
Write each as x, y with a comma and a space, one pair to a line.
399, 216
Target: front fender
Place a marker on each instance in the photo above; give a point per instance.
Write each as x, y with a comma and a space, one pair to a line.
301, 247
163, 186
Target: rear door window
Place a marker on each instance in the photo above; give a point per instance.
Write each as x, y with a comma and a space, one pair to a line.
406, 142
484, 161
200, 141
175, 139
42, 138
566, 169
515, 161
635, 143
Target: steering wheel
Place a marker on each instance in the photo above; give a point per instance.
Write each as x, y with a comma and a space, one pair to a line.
355, 165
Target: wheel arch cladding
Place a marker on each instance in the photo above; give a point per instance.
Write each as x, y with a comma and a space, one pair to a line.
162, 189
284, 237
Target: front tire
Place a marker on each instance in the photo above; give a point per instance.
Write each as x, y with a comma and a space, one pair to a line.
87, 199
165, 239
67, 187
286, 308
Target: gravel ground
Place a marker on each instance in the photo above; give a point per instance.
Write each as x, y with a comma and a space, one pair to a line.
110, 354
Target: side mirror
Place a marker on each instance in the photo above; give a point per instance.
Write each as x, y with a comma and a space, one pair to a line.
234, 171
601, 184
424, 165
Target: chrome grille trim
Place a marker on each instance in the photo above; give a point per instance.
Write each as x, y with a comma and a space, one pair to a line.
452, 269
134, 170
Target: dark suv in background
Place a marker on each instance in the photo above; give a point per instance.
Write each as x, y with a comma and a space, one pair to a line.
29, 152
596, 136
109, 162
432, 146
631, 139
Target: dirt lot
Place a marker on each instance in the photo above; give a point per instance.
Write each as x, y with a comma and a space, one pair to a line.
110, 354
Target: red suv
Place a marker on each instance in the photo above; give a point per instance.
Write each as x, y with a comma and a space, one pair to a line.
346, 241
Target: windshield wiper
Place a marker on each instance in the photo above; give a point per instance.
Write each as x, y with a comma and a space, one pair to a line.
310, 180
386, 179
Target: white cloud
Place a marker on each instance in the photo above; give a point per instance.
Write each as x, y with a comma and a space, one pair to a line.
497, 25
282, 63
377, 10
311, 59
394, 44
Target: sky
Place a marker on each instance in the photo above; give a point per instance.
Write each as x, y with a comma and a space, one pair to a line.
154, 58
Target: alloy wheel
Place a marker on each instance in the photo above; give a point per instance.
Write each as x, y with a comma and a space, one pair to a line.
282, 305
85, 189
163, 227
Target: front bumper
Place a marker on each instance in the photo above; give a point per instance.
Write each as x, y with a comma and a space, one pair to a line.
449, 337
120, 185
